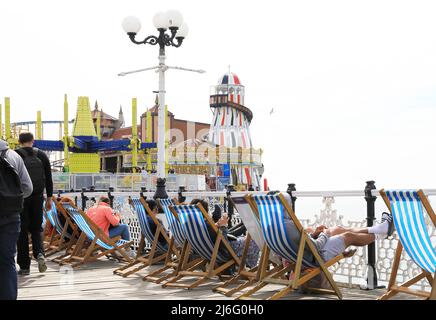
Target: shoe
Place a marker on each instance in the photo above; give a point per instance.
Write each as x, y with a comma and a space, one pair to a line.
42, 267
23, 272
391, 227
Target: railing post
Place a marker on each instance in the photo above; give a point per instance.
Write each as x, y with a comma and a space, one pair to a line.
371, 280
181, 198
291, 187
141, 194
84, 199
111, 196
160, 193
230, 209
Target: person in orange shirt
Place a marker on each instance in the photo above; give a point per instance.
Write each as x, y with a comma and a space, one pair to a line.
108, 220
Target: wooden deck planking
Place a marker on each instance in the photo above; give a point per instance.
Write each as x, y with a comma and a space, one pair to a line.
96, 281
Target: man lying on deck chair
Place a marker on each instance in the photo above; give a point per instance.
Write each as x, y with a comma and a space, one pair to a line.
153, 207
236, 239
333, 241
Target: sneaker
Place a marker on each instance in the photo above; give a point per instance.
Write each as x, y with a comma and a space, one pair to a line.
23, 272
42, 267
388, 217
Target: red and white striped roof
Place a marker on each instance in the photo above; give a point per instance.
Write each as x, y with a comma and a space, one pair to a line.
229, 79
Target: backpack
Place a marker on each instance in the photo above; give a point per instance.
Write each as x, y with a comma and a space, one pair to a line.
11, 194
35, 168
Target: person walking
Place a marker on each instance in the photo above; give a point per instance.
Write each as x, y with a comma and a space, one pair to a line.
15, 184
38, 166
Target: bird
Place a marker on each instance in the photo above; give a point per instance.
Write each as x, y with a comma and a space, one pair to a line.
271, 112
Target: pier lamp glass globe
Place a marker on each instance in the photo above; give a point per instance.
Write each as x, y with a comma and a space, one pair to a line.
175, 18
160, 20
182, 32
131, 24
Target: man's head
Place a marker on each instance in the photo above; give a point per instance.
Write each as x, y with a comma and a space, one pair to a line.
203, 203
104, 199
26, 139
152, 205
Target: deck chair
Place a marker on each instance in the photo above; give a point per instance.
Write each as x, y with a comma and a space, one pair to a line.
63, 236
194, 220
100, 244
158, 252
186, 261
407, 211
272, 210
250, 219
176, 242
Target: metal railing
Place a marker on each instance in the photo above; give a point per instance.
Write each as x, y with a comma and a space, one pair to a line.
371, 264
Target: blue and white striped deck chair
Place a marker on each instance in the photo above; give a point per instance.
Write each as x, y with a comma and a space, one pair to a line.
194, 220
96, 236
52, 216
158, 251
144, 224
272, 212
408, 209
173, 224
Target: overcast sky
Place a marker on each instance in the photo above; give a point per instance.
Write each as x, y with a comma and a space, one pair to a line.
352, 83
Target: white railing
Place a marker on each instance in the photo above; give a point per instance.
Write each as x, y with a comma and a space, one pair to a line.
351, 270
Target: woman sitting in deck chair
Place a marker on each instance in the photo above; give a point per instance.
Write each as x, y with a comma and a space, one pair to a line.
109, 221
236, 240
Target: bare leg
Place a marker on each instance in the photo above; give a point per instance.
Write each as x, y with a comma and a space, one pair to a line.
357, 239
334, 231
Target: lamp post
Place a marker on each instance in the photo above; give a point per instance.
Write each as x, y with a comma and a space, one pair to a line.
171, 20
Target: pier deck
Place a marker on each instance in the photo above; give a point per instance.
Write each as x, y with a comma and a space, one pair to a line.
97, 282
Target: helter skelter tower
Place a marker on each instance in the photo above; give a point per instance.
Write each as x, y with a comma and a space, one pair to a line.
230, 126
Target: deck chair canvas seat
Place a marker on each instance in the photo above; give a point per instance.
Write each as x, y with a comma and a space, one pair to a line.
101, 244
272, 210
194, 220
158, 252
63, 236
408, 209
254, 231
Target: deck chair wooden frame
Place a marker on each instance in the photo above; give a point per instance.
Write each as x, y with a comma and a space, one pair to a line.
296, 265
101, 245
214, 268
57, 241
393, 287
248, 277
156, 254
173, 262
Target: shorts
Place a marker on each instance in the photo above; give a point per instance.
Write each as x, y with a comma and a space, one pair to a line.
334, 246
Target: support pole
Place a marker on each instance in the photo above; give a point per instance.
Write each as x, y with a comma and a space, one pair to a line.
230, 209
8, 134
161, 117
38, 126
181, 198
149, 140
167, 140
1, 122
371, 279
134, 142
291, 188
66, 150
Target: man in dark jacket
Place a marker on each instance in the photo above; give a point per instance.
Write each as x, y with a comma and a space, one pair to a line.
38, 166
10, 227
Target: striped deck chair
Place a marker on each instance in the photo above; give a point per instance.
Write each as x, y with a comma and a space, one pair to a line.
101, 244
249, 216
194, 220
179, 242
272, 210
407, 208
60, 238
158, 251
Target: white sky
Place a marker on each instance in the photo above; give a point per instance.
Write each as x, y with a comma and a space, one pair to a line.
352, 83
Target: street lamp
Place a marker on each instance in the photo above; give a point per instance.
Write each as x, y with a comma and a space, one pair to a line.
171, 20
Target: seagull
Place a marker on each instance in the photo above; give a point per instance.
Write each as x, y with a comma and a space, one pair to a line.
271, 112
